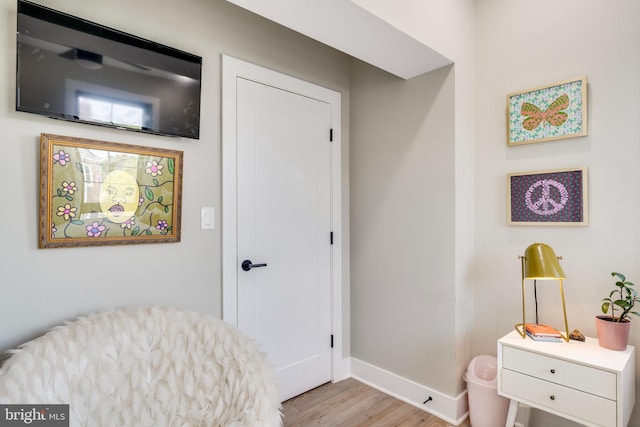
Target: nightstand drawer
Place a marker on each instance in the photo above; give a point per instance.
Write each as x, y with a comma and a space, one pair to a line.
558, 399
585, 378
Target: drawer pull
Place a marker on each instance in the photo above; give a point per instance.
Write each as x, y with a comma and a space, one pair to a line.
553, 371
552, 397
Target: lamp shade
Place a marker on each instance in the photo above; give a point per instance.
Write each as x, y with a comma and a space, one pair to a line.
540, 262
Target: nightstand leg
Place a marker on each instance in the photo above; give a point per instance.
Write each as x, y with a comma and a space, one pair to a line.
513, 412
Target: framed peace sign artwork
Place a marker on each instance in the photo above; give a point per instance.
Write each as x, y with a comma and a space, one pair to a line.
95, 193
549, 112
554, 197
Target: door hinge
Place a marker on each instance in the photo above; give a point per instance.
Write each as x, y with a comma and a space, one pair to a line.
331, 238
330, 135
331, 340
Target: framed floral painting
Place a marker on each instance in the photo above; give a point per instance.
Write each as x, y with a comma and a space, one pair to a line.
554, 111
553, 197
96, 193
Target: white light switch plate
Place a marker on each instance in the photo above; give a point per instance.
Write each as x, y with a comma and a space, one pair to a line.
207, 218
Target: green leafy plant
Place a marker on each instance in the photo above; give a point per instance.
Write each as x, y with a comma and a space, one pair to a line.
624, 297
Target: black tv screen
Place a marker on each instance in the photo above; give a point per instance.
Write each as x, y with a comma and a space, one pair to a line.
73, 69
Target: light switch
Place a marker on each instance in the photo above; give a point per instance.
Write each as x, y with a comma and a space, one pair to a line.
206, 218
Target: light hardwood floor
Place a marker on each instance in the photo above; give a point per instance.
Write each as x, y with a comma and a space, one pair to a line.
350, 403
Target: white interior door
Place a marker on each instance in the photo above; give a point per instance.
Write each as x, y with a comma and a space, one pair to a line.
295, 308
283, 226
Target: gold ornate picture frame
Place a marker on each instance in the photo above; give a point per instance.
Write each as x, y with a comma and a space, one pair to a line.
95, 193
545, 113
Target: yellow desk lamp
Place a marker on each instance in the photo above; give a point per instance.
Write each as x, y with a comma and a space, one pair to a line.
541, 263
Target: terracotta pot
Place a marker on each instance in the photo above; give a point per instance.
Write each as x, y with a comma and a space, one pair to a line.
612, 335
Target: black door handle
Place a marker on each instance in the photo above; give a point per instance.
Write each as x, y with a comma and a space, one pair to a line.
247, 265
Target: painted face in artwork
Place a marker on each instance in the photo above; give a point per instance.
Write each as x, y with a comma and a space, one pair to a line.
119, 196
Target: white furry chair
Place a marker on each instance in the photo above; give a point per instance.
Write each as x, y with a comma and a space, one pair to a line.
145, 367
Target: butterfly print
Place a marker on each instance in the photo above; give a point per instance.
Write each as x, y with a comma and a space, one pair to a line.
553, 115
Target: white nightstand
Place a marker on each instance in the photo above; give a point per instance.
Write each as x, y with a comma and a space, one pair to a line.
580, 381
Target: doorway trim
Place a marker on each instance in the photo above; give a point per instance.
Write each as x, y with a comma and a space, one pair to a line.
232, 69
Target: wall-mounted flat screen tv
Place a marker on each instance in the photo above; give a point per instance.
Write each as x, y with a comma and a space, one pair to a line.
73, 69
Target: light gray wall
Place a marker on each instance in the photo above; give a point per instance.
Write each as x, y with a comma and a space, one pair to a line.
402, 224
518, 46
402, 157
41, 288
521, 45
449, 28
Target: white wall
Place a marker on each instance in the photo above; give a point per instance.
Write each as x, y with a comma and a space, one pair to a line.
521, 45
402, 224
449, 28
40, 288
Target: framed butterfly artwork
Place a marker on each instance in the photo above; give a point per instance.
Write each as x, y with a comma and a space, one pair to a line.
549, 112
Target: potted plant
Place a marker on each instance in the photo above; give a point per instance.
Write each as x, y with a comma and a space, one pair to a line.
613, 330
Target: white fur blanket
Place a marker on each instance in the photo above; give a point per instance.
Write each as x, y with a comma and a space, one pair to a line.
145, 367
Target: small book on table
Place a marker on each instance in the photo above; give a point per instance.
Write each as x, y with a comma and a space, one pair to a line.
542, 332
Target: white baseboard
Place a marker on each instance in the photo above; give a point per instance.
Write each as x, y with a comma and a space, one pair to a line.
453, 410
341, 370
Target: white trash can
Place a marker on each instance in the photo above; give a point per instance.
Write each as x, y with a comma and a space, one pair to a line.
486, 407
